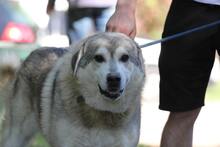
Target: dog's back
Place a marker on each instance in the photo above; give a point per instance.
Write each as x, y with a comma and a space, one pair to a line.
36, 67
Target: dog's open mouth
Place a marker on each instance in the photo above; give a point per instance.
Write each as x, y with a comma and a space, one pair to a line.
110, 94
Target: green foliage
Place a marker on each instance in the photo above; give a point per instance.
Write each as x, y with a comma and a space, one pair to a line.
150, 17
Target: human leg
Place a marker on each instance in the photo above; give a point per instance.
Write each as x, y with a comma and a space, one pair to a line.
102, 18
178, 130
80, 23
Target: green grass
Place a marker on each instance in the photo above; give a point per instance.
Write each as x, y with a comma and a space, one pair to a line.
39, 141
213, 92
141, 145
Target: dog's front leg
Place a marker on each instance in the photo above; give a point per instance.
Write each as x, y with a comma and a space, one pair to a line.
17, 135
20, 121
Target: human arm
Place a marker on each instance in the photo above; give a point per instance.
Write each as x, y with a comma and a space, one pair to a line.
50, 6
123, 20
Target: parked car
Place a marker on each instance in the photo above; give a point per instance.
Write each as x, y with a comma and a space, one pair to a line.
17, 31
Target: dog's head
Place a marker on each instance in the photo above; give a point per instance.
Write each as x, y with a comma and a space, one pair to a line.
110, 71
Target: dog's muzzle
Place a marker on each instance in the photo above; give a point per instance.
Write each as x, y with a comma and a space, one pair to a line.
113, 90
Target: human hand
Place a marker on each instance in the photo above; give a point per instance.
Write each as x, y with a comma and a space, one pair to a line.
123, 21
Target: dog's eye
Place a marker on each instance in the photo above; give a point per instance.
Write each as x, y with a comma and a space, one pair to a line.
99, 58
124, 58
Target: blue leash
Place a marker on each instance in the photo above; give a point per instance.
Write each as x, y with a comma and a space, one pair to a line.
203, 27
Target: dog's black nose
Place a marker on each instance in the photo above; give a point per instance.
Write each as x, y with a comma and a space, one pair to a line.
113, 77
113, 81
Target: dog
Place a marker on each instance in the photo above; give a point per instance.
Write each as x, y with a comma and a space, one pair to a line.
86, 95
9, 63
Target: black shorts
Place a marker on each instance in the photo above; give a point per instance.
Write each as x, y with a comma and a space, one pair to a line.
185, 63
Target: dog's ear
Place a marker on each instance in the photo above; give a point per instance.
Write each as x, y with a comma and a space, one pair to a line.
74, 62
83, 54
140, 58
78, 50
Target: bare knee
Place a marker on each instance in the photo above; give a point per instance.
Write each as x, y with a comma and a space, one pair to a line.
187, 117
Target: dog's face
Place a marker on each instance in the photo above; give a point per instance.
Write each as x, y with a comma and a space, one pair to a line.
110, 72
113, 71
